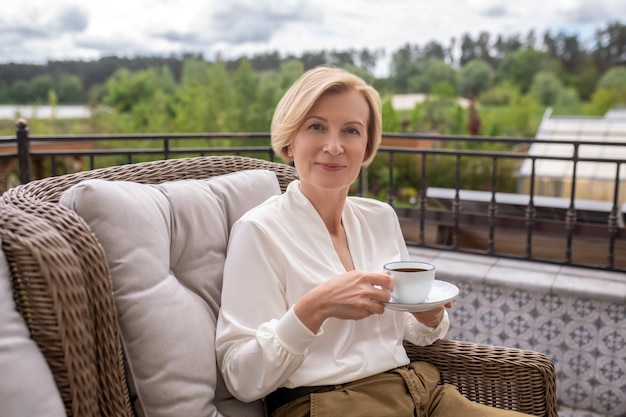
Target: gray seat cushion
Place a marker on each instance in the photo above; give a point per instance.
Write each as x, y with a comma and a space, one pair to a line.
165, 246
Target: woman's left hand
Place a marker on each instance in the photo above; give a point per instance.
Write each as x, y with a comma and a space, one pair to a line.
432, 318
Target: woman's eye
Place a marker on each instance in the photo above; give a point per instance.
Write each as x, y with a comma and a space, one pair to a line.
352, 131
315, 126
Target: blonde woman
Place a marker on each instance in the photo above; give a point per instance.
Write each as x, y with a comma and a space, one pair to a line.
303, 321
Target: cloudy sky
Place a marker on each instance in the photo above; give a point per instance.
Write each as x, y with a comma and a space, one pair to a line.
37, 30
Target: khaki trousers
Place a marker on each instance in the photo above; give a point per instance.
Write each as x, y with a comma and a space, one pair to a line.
403, 392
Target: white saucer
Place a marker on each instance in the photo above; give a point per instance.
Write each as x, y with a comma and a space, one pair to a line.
441, 293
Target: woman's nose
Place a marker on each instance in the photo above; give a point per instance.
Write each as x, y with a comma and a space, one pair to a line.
333, 144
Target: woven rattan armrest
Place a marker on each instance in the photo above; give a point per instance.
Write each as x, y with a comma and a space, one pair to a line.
502, 377
68, 310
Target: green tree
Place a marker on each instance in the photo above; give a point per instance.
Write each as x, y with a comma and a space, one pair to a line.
246, 90
190, 105
613, 78
475, 77
431, 72
70, 89
476, 49
611, 91
4, 92
368, 59
154, 115
519, 118
21, 92
567, 50
40, 86
602, 101
587, 80
546, 88
139, 96
506, 46
289, 72
269, 94
502, 94
194, 70
403, 67
125, 88
391, 119
520, 67
610, 48
434, 50
440, 112
220, 99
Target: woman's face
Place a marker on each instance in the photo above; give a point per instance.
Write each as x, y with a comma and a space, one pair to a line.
329, 147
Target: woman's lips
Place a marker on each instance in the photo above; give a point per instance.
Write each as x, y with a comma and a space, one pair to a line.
331, 166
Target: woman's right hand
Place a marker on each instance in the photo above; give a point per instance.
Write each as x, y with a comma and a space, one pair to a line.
353, 295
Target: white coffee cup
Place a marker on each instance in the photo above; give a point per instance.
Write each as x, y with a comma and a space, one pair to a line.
413, 281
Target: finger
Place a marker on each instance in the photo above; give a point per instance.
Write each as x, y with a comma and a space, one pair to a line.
380, 296
376, 307
382, 279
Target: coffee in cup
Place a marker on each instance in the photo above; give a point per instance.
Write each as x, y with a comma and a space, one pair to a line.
413, 281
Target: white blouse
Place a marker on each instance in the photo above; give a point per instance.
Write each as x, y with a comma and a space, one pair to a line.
277, 252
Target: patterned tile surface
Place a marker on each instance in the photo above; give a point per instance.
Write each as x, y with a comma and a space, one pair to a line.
586, 338
577, 316
572, 412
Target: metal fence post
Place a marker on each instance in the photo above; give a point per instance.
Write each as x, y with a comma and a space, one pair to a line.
23, 150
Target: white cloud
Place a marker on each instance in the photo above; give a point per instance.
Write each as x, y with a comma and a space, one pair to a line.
84, 29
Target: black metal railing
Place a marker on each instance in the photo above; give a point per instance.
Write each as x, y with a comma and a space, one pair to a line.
456, 193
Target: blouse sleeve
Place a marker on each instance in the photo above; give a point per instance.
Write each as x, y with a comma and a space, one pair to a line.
258, 344
421, 335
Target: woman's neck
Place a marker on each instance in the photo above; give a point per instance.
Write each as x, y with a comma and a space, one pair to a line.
329, 205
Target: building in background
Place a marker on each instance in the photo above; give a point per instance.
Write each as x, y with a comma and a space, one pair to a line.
595, 180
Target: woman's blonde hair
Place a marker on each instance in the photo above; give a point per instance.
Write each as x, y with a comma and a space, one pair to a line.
305, 93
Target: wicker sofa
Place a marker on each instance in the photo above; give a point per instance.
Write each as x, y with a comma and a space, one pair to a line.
62, 285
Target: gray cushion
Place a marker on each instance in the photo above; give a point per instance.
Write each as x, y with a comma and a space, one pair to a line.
165, 246
26, 384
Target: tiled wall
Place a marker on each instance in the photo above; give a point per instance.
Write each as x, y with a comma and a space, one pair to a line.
583, 332
585, 338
